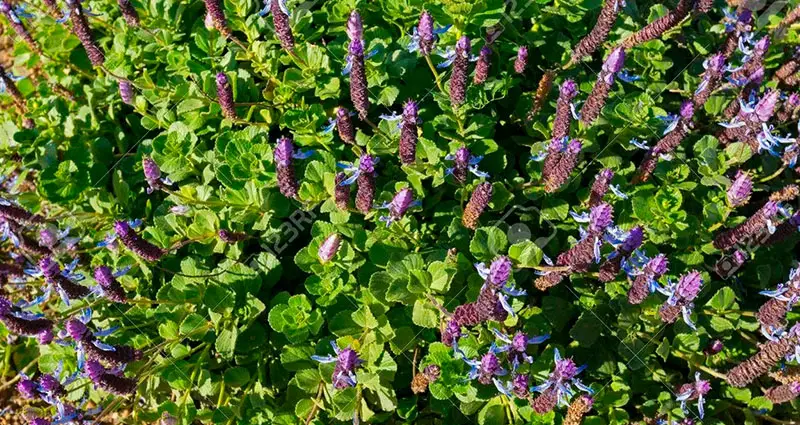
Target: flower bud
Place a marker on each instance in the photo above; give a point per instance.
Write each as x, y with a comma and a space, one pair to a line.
126, 91
329, 248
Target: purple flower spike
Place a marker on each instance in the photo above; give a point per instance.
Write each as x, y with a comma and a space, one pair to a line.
563, 118
615, 61
633, 241
108, 282
77, 330
27, 388
689, 285
425, 32
499, 271
128, 13
82, 30
225, 96
694, 391
106, 380
489, 367
600, 186
329, 248
366, 164
283, 154
49, 267
359, 92
365, 195
451, 333
401, 202
126, 91
281, 21
519, 386
458, 78
740, 190
522, 60
482, 67
215, 12
152, 175
408, 133
600, 217
558, 387
135, 243
347, 361
345, 125
49, 384
354, 28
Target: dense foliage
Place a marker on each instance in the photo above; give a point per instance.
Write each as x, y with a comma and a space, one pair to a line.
397, 211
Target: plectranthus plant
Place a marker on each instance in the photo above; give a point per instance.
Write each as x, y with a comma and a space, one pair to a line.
403, 272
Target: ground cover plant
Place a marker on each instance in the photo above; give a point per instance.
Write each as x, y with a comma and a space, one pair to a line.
397, 211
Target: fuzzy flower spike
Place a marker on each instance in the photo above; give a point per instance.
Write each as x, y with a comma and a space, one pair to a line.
558, 387
463, 162
487, 368
597, 99
152, 175
284, 154
517, 345
108, 284
458, 78
408, 133
402, 201
680, 298
63, 281
280, 18
496, 277
81, 29
694, 391
364, 174
347, 361
424, 35
90, 346
135, 243
20, 322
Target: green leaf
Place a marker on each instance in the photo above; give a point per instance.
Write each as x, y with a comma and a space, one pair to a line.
425, 314
194, 327
488, 243
723, 299
525, 254
226, 341
237, 377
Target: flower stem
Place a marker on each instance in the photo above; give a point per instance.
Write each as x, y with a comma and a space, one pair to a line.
435, 73
705, 369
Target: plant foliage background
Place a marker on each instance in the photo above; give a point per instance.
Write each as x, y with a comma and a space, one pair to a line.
227, 326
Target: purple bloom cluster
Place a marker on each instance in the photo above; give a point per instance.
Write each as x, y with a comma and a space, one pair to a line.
557, 389
680, 298
135, 243
347, 361
585, 252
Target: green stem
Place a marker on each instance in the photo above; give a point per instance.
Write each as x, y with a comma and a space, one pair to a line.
435, 73
705, 369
